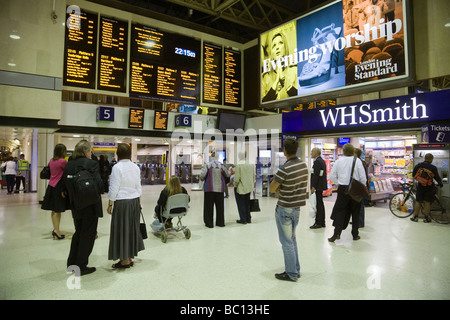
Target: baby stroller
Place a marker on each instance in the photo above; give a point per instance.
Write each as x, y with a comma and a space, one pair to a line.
176, 206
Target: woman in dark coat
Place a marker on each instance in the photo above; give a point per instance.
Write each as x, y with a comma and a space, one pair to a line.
85, 219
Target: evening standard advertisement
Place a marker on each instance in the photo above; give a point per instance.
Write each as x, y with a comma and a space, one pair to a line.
346, 43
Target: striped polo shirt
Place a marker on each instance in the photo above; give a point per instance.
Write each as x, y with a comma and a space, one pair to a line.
293, 179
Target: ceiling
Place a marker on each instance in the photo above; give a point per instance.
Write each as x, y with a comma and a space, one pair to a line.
237, 20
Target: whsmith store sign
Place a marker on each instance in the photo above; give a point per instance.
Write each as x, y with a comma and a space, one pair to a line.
405, 111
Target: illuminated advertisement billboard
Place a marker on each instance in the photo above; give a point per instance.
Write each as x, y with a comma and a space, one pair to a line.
346, 44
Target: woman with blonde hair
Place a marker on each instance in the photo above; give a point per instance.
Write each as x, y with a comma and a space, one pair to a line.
173, 187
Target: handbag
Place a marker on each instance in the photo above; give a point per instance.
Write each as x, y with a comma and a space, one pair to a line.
313, 203
45, 173
356, 190
254, 204
143, 228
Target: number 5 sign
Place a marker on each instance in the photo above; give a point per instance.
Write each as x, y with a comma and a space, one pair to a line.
183, 120
105, 114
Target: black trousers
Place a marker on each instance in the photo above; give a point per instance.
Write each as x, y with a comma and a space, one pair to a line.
210, 200
344, 208
243, 205
82, 241
320, 214
20, 179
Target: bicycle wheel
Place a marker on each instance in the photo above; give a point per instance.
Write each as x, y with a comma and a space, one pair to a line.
438, 213
401, 208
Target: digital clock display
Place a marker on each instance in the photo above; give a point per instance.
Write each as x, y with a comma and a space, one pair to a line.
185, 52
168, 69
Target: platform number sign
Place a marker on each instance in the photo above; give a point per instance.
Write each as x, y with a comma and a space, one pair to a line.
183, 120
105, 114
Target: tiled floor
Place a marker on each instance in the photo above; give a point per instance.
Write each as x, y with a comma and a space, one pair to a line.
395, 258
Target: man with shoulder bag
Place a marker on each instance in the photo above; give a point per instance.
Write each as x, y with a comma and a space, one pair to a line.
83, 185
425, 173
344, 170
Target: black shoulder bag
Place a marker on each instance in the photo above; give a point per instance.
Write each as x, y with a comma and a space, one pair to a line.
356, 190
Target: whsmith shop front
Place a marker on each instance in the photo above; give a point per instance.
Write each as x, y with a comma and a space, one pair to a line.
385, 130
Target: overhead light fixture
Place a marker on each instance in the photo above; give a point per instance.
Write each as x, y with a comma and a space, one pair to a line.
137, 139
76, 136
11, 64
447, 24
14, 36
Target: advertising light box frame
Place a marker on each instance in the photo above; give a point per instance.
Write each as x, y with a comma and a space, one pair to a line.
323, 52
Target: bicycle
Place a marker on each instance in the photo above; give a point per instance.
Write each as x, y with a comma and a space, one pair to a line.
402, 205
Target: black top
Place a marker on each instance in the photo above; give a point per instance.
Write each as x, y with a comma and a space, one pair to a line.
432, 168
71, 168
164, 195
319, 182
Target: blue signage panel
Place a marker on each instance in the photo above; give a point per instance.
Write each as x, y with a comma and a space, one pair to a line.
105, 114
416, 108
183, 120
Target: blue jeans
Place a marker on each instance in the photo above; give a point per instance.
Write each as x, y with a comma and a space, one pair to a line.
287, 220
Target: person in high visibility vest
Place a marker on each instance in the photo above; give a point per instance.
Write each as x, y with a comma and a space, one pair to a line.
21, 172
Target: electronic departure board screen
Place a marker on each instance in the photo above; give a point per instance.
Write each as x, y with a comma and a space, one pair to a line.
80, 49
160, 121
232, 78
164, 66
112, 55
212, 73
136, 118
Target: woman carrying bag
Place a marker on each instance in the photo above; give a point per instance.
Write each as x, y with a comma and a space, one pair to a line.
124, 205
53, 199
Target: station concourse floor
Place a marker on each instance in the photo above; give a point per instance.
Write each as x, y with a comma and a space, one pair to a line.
394, 259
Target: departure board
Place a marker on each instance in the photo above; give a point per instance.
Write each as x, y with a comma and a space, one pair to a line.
160, 122
164, 66
80, 49
112, 55
212, 73
232, 78
136, 118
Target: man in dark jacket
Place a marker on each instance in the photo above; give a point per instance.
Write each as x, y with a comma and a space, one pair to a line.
85, 219
318, 185
425, 194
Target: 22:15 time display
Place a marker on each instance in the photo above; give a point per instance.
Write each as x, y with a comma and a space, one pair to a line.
185, 52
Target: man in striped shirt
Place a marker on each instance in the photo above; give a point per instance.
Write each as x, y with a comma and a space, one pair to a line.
291, 181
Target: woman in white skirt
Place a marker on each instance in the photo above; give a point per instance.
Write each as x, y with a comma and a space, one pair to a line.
124, 206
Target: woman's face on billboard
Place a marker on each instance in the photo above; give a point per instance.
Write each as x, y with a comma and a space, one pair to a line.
278, 47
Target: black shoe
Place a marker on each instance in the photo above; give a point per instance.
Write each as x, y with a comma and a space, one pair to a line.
334, 237
284, 276
427, 219
87, 270
317, 226
55, 235
241, 222
415, 218
118, 265
356, 238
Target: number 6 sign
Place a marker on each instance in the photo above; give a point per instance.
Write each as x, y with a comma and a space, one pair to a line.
183, 120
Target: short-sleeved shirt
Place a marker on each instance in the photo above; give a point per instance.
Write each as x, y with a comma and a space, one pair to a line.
293, 179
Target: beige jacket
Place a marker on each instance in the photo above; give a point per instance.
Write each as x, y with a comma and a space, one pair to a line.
244, 177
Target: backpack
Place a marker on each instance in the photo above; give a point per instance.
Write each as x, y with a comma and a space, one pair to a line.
424, 177
85, 192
